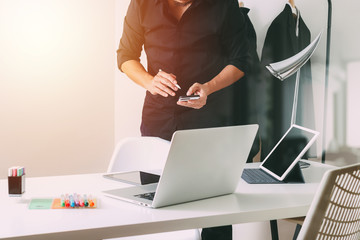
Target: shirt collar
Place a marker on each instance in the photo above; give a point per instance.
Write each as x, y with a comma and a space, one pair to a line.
294, 10
296, 14
245, 10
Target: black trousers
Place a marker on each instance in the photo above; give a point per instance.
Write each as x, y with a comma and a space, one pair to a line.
217, 233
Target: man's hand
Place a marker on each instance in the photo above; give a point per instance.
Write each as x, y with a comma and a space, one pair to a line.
163, 84
199, 89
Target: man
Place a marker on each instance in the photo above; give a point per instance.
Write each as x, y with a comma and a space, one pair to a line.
192, 47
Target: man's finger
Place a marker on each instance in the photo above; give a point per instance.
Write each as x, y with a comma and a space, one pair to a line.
171, 80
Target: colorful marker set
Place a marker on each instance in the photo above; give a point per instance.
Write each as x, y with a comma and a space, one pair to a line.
16, 180
16, 171
77, 201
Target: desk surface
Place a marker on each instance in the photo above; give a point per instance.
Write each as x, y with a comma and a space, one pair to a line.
114, 218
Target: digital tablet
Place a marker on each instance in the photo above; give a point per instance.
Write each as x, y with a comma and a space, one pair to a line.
133, 177
288, 151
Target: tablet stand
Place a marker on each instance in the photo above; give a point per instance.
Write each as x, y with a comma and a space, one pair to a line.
295, 175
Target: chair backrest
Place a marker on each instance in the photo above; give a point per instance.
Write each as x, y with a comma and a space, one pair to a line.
335, 211
139, 153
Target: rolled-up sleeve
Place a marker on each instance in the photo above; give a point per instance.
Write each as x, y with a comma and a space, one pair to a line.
132, 39
234, 37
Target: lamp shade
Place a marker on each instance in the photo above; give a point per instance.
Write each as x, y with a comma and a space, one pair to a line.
288, 67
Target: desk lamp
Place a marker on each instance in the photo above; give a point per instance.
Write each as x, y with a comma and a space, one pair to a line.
289, 66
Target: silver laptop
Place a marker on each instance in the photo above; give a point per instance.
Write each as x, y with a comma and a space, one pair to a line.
282, 159
201, 163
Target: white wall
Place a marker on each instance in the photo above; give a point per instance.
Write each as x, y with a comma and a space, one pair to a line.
129, 97
353, 117
57, 67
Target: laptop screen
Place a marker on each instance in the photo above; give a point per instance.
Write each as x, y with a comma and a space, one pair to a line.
288, 151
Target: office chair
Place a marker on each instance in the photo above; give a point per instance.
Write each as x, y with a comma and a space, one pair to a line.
139, 153
146, 153
335, 211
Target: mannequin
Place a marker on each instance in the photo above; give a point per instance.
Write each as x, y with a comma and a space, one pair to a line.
292, 3
286, 37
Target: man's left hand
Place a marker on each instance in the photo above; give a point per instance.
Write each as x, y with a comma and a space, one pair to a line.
199, 89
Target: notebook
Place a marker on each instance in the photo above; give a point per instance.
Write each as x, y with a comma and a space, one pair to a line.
201, 163
282, 163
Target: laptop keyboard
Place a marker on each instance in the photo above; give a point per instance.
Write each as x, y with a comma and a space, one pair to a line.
148, 196
257, 176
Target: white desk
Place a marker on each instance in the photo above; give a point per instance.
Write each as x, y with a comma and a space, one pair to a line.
114, 218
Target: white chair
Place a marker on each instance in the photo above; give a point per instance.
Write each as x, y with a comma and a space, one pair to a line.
335, 211
139, 153
146, 153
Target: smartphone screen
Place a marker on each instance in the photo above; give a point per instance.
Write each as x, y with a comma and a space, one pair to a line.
134, 177
187, 98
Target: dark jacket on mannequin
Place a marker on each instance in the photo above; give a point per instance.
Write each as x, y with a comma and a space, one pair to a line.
281, 43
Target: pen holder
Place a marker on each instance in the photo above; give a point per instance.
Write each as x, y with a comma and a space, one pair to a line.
16, 185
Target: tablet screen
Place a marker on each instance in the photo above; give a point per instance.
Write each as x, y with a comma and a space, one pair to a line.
294, 145
134, 177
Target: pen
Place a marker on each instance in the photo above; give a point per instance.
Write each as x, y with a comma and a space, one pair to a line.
72, 202
67, 202
22, 171
91, 201
86, 202
81, 201
62, 200
76, 198
177, 85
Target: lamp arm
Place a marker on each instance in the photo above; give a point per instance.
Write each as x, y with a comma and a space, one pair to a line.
296, 96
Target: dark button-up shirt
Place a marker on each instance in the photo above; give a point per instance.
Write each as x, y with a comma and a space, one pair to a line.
209, 36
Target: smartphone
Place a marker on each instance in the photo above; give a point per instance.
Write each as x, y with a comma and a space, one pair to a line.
187, 98
134, 177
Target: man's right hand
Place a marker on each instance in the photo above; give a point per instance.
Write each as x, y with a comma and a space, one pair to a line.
163, 84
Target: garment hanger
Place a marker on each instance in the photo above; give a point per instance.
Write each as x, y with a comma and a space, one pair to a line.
241, 4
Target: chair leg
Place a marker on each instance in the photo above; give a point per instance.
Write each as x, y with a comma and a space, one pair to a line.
274, 230
297, 231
